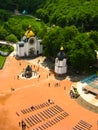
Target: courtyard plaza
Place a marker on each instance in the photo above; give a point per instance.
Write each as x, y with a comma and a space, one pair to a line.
28, 100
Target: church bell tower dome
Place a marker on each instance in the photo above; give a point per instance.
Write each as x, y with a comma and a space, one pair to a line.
61, 55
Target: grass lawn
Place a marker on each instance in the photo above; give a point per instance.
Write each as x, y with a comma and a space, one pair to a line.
2, 60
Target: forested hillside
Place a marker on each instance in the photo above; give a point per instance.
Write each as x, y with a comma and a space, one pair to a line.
70, 23
81, 13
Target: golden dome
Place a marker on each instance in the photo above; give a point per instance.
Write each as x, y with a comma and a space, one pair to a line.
62, 48
29, 33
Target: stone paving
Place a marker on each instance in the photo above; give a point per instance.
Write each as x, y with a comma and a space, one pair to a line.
17, 96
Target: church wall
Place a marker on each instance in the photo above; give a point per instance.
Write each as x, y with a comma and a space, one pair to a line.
39, 47
22, 51
60, 66
60, 63
26, 49
60, 70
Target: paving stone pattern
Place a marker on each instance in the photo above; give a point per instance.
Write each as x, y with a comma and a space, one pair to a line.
42, 116
82, 125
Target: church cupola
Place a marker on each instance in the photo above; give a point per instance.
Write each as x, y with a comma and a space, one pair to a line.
61, 55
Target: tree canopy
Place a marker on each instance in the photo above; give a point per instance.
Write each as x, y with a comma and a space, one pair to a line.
71, 23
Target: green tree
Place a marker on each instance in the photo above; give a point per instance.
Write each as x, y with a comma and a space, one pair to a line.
43, 14
94, 36
70, 32
52, 41
82, 52
3, 33
4, 15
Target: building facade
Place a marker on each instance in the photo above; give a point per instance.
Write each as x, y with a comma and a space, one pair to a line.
29, 47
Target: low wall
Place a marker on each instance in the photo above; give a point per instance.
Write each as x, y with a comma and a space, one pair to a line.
4, 53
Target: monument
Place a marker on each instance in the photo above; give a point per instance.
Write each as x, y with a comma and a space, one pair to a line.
28, 72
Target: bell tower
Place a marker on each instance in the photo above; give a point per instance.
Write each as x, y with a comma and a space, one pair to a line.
60, 62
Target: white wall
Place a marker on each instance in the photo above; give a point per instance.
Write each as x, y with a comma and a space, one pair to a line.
60, 66
21, 51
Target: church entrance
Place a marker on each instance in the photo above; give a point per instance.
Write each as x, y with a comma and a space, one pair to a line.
32, 52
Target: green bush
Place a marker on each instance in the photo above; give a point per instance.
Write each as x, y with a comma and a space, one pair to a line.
7, 48
11, 38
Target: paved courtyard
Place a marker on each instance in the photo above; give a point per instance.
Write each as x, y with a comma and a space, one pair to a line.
27, 100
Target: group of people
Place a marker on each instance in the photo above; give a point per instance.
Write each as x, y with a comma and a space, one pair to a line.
74, 93
23, 125
56, 84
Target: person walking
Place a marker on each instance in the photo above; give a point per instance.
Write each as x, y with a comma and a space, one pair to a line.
48, 84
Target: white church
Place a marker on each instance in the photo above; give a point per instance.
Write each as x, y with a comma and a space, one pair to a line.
30, 45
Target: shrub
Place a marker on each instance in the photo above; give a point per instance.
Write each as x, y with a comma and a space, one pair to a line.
11, 38
6, 48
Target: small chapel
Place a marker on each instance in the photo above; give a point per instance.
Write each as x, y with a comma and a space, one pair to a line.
29, 45
60, 63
